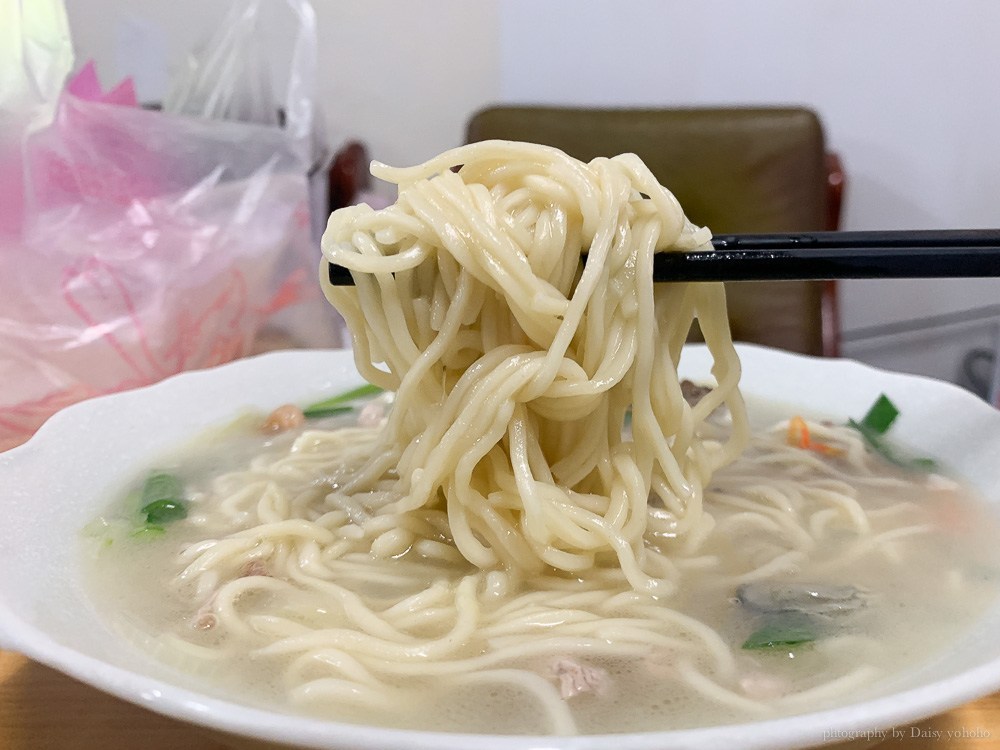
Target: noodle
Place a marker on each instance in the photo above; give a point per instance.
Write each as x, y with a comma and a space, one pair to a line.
514, 369
542, 507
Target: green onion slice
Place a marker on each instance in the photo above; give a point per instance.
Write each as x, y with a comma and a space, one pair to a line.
163, 499
164, 511
149, 531
779, 635
161, 486
338, 404
873, 428
314, 412
880, 416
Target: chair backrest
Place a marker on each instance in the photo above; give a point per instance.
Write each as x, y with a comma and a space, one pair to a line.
733, 170
348, 175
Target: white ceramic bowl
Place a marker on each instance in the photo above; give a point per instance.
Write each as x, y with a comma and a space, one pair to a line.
64, 477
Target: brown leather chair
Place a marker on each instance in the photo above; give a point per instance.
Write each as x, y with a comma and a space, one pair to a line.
733, 170
348, 175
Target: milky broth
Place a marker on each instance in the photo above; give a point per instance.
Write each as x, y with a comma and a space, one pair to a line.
926, 568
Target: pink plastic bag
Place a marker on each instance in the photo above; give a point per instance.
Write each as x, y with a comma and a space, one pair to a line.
146, 244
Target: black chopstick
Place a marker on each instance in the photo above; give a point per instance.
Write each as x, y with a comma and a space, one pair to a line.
911, 254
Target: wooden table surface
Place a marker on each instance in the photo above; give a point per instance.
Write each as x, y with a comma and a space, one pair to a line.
41, 709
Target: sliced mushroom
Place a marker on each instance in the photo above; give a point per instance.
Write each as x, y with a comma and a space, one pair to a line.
806, 598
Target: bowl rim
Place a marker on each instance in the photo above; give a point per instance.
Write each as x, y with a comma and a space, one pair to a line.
847, 721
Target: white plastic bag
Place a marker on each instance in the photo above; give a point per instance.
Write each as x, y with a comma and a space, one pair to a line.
231, 77
36, 55
148, 242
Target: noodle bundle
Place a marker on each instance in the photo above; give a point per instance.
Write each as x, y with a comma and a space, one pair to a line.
516, 365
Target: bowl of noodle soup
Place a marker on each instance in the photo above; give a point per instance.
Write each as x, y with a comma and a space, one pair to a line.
557, 523
56, 484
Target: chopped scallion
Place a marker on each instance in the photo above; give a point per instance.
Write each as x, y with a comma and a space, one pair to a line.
873, 428
338, 404
163, 499
149, 531
779, 635
315, 412
880, 416
164, 511
161, 486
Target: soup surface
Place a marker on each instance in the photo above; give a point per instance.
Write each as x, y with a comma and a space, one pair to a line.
820, 574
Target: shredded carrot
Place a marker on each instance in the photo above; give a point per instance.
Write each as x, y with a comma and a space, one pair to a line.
826, 450
798, 435
798, 432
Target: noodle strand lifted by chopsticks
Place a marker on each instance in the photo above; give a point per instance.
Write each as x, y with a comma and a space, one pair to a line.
515, 363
